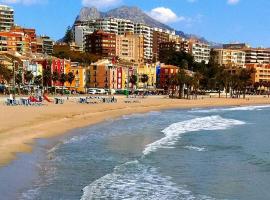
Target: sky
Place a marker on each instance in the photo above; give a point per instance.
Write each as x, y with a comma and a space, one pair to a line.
220, 21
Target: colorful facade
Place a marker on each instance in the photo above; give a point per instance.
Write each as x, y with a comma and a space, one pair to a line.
150, 71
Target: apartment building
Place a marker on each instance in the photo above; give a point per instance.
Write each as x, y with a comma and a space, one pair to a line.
262, 72
147, 32
125, 26
253, 55
130, 47
103, 74
108, 25
82, 77
164, 74
80, 33
199, 50
159, 36
14, 42
6, 18
150, 71
101, 43
230, 57
45, 45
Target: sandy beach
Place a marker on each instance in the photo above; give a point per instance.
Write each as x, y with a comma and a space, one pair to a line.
20, 126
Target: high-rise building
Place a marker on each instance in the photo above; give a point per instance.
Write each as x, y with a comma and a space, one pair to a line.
108, 25
253, 55
230, 57
47, 45
80, 32
6, 18
125, 26
130, 47
147, 32
101, 43
199, 50
159, 36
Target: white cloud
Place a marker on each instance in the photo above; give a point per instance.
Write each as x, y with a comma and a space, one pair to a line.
100, 3
25, 2
165, 15
233, 2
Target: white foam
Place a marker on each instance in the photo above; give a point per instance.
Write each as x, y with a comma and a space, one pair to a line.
136, 181
200, 149
174, 131
238, 108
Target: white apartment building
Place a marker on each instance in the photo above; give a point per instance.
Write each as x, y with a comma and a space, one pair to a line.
125, 26
230, 57
79, 35
6, 18
147, 32
200, 51
108, 25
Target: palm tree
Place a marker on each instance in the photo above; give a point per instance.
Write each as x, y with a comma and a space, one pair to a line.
5, 73
18, 80
181, 81
196, 83
245, 80
70, 78
133, 80
144, 79
55, 77
38, 80
63, 79
28, 76
47, 76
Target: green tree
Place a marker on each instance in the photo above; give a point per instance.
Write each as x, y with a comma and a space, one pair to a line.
28, 76
47, 77
144, 79
55, 78
18, 81
38, 80
63, 79
5, 73
70, 78
68, 38
181, 79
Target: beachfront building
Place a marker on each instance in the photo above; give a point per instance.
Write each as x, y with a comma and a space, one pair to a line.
230, 58
101, 43
47, 44
199, 50
262, 72
164, 74
130, 47
103, 74
6, 18
150, 71
82, 77
147, 32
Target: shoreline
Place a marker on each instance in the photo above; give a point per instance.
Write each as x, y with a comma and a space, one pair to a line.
55, 120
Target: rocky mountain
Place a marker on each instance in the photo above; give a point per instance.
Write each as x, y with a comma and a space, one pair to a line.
132, 13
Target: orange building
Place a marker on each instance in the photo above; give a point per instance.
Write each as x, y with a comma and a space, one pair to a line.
103, 74
262, 72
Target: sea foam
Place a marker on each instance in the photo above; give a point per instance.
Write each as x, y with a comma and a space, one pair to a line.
136, 181
174, 131
238, 108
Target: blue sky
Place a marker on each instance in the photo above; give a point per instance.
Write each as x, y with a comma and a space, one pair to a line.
216, 20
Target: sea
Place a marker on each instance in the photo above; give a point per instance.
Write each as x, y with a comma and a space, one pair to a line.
192, 154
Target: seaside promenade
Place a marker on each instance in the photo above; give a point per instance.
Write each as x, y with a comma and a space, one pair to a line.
21, 125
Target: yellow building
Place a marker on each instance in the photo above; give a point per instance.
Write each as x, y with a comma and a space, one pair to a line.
150, 71
130, 47
230, 57
81, 80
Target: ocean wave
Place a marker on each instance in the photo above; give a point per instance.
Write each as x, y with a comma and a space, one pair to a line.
200, 149
238, 108
174, 131
134, 180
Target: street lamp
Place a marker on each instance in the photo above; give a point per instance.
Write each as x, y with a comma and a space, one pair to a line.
14, 78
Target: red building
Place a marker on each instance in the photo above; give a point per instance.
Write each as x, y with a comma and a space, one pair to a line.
101, 43
165, 74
